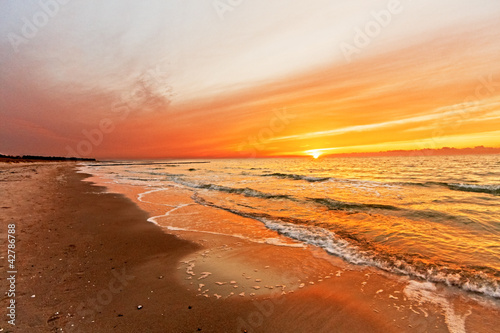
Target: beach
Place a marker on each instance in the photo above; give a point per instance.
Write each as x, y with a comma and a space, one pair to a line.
88, 260
250, 166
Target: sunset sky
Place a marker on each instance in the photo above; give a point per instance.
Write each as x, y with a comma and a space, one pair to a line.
230, 78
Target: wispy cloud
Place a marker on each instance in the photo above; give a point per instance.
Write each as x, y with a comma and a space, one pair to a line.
220, 80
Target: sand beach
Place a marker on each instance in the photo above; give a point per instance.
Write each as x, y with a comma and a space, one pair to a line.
89, 261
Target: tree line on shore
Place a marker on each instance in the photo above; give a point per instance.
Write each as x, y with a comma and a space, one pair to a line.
42, 158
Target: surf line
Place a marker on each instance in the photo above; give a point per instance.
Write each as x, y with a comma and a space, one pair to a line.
153, 219
141, 195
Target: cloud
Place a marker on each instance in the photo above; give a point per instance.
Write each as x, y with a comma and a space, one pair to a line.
176, 80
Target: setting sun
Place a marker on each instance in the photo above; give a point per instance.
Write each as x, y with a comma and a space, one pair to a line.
314, 153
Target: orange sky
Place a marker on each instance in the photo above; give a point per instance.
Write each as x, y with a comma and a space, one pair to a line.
418, 84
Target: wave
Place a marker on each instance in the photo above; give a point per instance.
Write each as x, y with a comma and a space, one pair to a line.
413, 214
246, 191
490, 189
335, 205
331, 204
483, 280
349, 206
166, 174
485, 188
310, 179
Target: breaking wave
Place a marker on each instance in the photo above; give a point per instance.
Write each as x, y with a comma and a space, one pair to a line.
483, 280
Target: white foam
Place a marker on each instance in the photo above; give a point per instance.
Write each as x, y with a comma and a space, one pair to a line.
319, 237
422, 292
141, 195
279, 242
154, 218
270, 241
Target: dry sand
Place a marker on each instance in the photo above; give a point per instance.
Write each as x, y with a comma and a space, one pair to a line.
88, 261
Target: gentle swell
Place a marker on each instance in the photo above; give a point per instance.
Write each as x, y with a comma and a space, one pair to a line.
490, 189
484, 280
246, 191
331, 204
487, 188
349, 206
296, 177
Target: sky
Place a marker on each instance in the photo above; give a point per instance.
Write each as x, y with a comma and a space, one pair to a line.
240, 78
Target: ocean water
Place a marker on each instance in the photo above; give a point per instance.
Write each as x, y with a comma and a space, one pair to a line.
436, 218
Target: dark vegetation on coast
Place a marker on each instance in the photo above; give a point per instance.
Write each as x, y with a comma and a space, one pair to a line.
34, 158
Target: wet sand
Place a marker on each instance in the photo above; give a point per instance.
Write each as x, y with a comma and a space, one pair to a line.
89, 261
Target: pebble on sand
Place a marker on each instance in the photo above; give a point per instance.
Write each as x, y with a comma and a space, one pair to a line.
204, 275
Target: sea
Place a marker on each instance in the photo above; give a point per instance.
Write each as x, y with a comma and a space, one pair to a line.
434, 218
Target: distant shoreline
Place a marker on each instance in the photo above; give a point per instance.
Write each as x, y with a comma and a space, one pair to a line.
33, 158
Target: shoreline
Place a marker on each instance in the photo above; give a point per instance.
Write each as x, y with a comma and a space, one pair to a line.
449, 306
92, 259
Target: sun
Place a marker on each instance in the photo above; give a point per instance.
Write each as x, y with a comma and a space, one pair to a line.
316, 154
